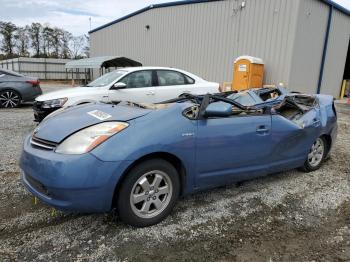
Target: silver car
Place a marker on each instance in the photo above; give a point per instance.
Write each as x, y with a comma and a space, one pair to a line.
16, 89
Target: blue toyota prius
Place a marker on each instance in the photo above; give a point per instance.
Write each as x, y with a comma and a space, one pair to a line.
138, 158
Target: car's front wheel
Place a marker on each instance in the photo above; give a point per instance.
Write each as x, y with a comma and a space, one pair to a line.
316, 155
148, 193
9, 99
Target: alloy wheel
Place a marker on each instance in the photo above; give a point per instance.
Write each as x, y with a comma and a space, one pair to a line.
151, 194
9, 99
316, 153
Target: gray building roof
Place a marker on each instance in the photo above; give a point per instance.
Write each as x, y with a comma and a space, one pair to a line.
102, 61
187, 2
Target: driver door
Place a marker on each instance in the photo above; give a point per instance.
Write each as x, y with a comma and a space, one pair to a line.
232, 148
139, 88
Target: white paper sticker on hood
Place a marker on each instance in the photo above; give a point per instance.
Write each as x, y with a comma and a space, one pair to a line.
99, 114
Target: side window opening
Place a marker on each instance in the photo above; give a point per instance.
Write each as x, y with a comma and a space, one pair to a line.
272, 94
138, 79
189, 80
171, 78
243, 98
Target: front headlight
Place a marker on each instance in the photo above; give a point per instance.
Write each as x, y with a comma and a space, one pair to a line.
59, 102
87, 139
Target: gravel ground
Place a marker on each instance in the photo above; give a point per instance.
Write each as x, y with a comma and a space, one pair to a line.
290, 216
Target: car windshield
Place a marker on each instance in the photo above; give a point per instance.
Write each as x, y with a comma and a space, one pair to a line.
107, 79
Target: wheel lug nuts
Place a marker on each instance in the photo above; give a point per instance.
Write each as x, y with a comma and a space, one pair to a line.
152, 187
148, 199
146, 192
154, 198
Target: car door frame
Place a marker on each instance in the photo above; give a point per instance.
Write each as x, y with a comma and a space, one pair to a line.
243, 173
150, 91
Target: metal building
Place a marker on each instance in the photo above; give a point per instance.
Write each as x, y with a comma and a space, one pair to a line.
304, 43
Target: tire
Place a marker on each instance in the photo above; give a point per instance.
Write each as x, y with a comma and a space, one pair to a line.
316, 155
153, 186
9, 99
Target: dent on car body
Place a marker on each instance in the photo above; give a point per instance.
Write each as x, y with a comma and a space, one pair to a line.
211, 150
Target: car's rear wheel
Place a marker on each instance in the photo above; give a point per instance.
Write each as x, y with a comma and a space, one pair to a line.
148, 193
9, 99
316, 155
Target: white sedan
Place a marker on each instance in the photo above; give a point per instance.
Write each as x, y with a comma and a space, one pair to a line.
134, 84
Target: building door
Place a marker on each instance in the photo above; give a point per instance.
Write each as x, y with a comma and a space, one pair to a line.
346, 76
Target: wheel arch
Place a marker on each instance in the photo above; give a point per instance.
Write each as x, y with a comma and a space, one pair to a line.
171, 158
329, 141
13, 89
4, 89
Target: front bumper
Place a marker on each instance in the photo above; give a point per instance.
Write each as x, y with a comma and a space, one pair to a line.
73, 183
40, 113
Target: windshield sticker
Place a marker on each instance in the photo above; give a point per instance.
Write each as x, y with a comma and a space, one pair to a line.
99, 114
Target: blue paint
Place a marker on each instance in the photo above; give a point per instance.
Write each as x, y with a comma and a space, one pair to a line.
217, 152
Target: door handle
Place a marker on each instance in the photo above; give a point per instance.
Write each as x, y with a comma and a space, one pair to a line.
263, 130
316, 122
150, 93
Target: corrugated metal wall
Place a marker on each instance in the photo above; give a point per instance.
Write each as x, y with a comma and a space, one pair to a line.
205, 38
339, 38
309, 44
42, 68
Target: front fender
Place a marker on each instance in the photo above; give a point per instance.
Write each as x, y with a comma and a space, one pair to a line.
175, 136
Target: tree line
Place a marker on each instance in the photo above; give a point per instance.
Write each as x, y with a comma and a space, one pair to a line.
41, 41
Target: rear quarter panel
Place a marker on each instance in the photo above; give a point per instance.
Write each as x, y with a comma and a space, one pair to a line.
328, 116
26, 90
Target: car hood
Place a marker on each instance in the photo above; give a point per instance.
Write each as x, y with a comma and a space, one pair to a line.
58, 126
68, 92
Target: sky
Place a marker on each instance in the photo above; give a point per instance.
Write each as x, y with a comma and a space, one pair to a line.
73, 15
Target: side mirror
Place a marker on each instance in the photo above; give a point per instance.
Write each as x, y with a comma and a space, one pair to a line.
218, 109
118, 85
270, 110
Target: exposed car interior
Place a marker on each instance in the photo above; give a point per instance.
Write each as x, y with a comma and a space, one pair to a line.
268, 93
292, 107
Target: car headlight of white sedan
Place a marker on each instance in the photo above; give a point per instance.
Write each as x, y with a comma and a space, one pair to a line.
54, 103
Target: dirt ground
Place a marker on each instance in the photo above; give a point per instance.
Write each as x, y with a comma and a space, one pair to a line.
290, 216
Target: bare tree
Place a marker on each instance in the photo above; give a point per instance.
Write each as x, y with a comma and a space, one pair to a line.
46, 37
66, 38
56, 38
7, 30
41, 41
22, 41
35, 35
77, 46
